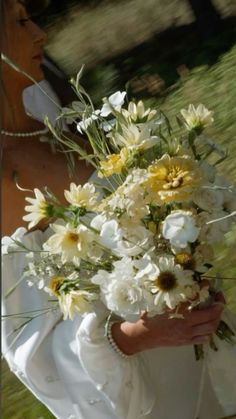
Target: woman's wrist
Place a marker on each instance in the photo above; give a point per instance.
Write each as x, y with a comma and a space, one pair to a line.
124, 335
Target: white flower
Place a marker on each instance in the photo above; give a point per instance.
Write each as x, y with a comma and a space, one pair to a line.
82, 196
179, 227
133, 137
114, 102
71, 243
119, 290
38, 209
98, 221
129, 242
110, 234
171, 285
197, 117
138, 111
86, 122
75, 301
135, 241
208, 198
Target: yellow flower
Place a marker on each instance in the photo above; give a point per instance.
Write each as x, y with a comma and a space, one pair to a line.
172, 179
115, 163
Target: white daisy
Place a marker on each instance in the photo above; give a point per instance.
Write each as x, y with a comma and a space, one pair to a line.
38, 209
172, 285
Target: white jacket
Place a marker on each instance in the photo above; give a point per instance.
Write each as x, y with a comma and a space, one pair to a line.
71, 368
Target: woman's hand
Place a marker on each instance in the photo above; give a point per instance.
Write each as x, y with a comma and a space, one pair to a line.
161, 330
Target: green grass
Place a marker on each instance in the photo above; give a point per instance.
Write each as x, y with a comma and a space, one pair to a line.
17, 401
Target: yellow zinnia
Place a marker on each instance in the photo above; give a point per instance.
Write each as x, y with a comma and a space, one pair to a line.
172, 179
114, 163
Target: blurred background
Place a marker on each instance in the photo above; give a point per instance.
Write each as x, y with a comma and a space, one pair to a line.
167, 52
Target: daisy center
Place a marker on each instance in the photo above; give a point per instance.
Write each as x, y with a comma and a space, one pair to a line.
72, 237
166, 281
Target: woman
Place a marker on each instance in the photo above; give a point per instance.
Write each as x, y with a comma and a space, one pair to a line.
150, 369
26, 158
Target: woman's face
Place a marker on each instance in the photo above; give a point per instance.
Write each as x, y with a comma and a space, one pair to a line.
23, 43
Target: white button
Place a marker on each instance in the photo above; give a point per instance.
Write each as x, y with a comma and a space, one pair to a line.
93, 401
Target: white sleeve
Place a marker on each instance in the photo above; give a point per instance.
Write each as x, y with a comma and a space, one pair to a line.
28, 349
125, 382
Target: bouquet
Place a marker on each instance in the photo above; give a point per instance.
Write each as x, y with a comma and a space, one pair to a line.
139, 235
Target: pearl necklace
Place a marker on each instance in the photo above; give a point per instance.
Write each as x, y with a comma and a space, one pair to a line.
24, 134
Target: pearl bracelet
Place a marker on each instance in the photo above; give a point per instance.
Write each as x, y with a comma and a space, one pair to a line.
112, 342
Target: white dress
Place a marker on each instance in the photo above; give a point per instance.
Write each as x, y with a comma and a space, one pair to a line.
71, 368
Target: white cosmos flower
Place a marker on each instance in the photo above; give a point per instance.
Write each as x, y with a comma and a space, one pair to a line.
82, 196
71, 243
197, 117
75, 301
172, 285
38, 209
114, 102
179, 227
